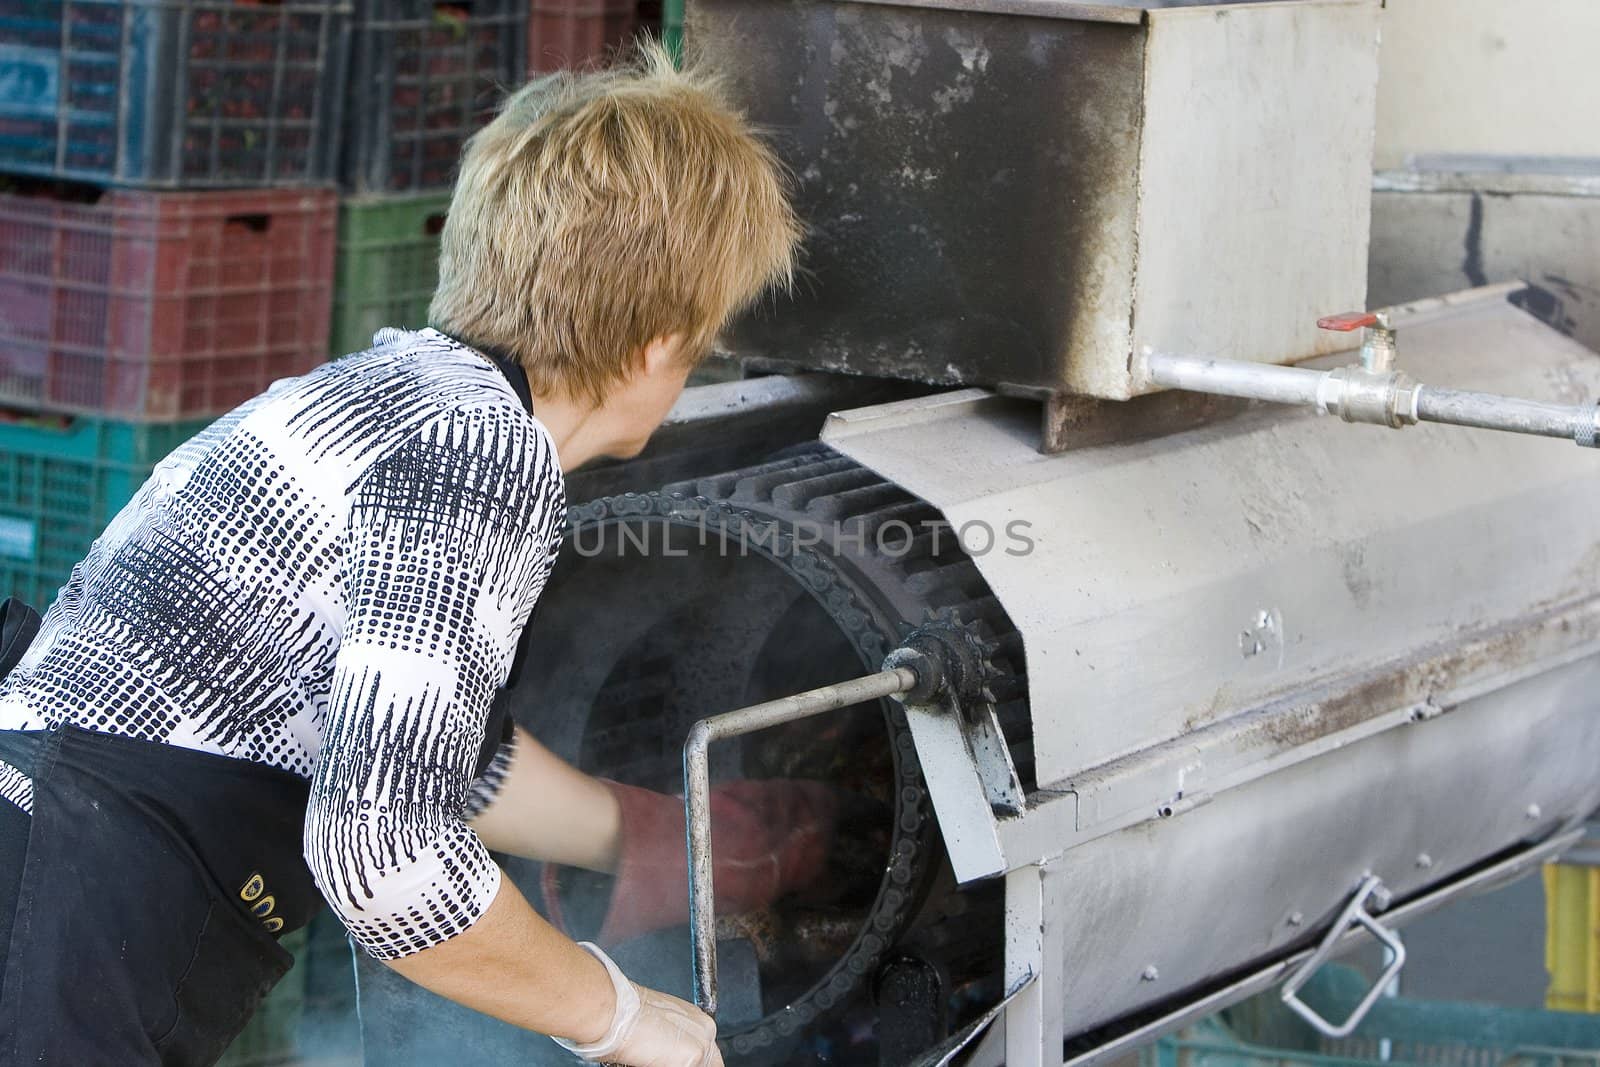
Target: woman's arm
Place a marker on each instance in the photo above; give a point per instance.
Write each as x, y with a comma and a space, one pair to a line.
543, 808
446, 551
513, 965
447, 546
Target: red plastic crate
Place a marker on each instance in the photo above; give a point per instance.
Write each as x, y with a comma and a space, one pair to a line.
567, 34
150, 305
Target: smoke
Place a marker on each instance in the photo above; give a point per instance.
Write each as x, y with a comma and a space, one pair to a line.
630, 648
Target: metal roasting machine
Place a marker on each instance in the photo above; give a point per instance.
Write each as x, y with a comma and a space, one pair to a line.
1156, 684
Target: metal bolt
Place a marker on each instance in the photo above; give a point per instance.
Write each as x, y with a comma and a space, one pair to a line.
1533, 811
1424, 861
1426, 710
1296, 918
1381, 898
1149, 974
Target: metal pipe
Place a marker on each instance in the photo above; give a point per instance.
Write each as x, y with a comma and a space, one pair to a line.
1491, 412
1238, 377
697, 793
1387, 398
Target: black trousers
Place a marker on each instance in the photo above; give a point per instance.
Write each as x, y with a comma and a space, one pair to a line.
141, 902
14, 824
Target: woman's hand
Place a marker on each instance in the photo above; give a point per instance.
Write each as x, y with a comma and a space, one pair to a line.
650, 1029
669, 1033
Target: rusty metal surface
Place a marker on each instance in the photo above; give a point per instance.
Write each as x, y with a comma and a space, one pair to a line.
1070, 421
1168, 779
950, 239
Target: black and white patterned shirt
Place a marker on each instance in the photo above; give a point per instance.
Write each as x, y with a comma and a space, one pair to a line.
331, 580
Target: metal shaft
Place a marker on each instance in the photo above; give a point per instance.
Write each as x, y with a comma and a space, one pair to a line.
1238, 377
697, 793
1385, 398
1490, 412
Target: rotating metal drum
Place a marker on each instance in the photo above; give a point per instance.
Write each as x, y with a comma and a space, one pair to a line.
704, 596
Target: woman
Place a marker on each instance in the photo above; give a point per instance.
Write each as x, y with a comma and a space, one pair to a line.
290, 643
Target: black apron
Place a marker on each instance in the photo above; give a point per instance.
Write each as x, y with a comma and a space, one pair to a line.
155, 883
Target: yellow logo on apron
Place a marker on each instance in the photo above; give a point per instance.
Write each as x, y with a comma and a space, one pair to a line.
254, 893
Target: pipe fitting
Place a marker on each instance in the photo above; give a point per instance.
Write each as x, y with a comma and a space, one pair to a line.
925, 665
948, 658
1356, 394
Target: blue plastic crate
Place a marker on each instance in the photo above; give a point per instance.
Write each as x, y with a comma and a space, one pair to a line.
173, 93
1397, 1032
424, 76
62, 478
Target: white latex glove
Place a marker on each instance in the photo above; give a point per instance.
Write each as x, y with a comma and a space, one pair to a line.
650, 1029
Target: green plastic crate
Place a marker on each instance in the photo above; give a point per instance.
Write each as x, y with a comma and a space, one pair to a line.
272, 1036
387, 267
672, 27
1398, 1031
62, 478
1212, 1043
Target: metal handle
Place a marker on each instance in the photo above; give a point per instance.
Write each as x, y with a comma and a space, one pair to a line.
1354, 912
697, 794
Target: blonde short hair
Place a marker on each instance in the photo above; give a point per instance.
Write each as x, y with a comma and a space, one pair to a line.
602, 210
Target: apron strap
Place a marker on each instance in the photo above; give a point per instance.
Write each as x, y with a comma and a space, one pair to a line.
19, 625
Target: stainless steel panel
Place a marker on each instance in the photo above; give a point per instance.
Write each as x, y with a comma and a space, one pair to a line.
1518, 864
1172, 583
1262, 868
1024, 195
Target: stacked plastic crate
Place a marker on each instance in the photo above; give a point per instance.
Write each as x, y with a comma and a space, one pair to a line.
166, 241
566, 34
425, 75
167, 213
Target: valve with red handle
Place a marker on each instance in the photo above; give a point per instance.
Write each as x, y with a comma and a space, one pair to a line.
1378, 346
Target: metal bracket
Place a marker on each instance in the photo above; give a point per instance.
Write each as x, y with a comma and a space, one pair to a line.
1354, 913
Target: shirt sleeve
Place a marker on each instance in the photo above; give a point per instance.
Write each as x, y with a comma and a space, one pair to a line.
450, 540
486, 789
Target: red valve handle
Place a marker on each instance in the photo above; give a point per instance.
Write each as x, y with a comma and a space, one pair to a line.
1349, 320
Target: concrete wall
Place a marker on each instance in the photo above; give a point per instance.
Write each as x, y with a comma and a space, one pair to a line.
1506, 77
1499, 81
1427, 243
